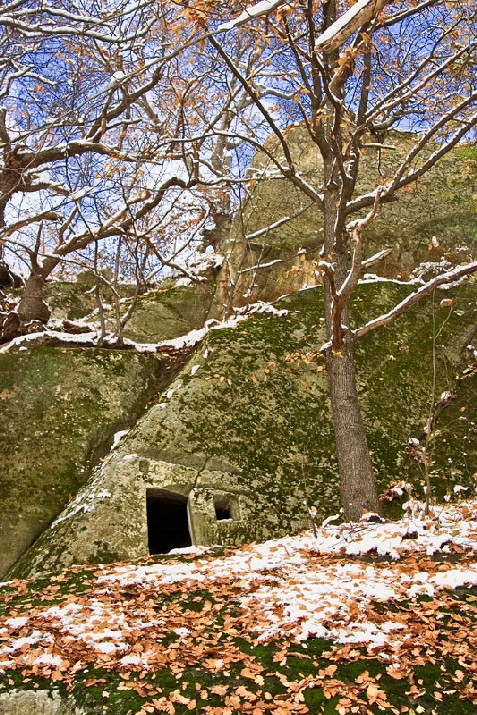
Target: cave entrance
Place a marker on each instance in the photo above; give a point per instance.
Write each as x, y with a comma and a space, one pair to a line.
167, 521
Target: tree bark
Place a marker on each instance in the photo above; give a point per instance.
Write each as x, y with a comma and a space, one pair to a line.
358, 487
357, 479
32, 306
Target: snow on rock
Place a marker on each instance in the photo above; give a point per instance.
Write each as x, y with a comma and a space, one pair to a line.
118, 437
183, 282
34, 337
207, 261
93, 338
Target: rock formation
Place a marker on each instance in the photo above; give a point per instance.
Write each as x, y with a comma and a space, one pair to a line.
242, 437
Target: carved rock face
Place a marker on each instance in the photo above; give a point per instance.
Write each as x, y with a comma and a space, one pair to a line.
59, 409
243, 434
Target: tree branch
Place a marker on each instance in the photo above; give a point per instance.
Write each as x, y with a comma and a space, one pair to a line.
341, 30
449, 277
354, 273
372, 260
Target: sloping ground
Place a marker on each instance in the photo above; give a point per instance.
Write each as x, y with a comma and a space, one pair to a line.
364, 618
59, 409
248, 421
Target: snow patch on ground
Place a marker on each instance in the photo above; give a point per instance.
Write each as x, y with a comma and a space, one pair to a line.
298, 587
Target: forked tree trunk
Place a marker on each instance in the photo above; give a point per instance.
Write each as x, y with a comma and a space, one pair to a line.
358, 487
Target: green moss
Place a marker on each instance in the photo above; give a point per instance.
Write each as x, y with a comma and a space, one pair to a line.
441, 204
60, 409
257, 412
265, 409
396, 374
69, 300
168, 313
162, 314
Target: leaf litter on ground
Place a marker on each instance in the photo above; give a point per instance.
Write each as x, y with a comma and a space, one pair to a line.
378, 590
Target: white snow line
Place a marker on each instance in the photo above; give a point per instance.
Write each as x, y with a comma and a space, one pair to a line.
359, 14
265, 7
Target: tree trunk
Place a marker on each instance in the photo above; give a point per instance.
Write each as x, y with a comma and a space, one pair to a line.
358, 488
32, 306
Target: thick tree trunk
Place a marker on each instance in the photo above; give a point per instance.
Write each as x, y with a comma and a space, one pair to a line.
358, 488
32, 306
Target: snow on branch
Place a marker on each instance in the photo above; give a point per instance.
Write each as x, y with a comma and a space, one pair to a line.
342, 29
355, 228
449, 277
372, 260
265, 7
271, 227
267, 229
260, 265
407, 12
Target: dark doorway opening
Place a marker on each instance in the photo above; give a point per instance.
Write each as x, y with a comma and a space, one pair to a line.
167, 522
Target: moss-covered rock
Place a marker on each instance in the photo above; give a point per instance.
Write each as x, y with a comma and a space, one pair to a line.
69, 300
161, 314
443, 203
37, 702
59, 411
433, 219
169, 313
245, 429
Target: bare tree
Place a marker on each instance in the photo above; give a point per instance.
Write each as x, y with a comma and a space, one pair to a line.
107, 113
97, 110
349, 73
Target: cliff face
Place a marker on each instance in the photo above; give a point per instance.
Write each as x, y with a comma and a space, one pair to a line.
442, 206
242, 436
61, 406
59, 411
